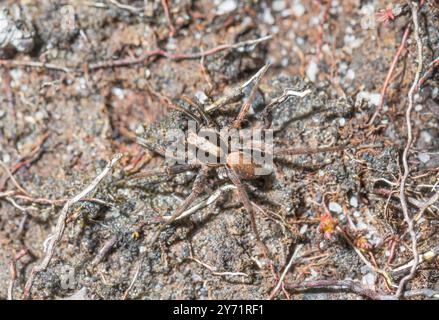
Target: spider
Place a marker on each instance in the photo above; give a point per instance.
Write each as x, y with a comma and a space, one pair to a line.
238, 165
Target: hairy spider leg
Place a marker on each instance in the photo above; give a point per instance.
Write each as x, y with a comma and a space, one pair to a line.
165, 171
243, 196
197, 189
247, 104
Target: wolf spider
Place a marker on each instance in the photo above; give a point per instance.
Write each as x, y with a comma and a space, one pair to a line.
237, 167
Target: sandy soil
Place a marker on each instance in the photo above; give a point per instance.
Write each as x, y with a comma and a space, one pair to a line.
68, 104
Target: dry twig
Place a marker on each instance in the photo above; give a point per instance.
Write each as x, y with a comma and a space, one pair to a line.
56, 236
13, 270
20, 188
213, 270
400, 292
293, 259
126, 7
34, 64
354, 287
389, 74
175, 56
136, 274
104, 250
168, 18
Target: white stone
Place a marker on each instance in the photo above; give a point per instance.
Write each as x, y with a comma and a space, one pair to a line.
424, 157
353, 201
278, 5
6, 158
342, 122
314, 21
372, 97
335, 207
81, 294
368, 280
274, 29
140, 129
303, 229
298, 9
350, 74
418, 107
226, 6
312, 70
361, 225
118, 92
201, 96
426, 136
268, 17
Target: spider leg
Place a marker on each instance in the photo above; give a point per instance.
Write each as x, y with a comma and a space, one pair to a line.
247, 104
300, 151
234, 177
207, 118
166, 171
235, 93
197, 188
155, 149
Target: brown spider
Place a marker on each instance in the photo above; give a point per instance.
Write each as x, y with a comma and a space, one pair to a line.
238, 164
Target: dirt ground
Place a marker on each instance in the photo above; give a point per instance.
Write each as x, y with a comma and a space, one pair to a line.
81, 81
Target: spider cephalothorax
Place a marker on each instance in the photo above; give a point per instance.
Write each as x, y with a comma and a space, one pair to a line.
233, 154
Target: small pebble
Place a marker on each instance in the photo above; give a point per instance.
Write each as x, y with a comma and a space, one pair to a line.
140, 130
350, 74
368, 280
423, 157
6, 158
418, 107
118, 92
226, 7
312, 70
373, 98
268, 17
81, 294
353, 201
201, 96
303, 229
298, 9
361, 225
335, 207
278, 5
364, 269
426, 136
